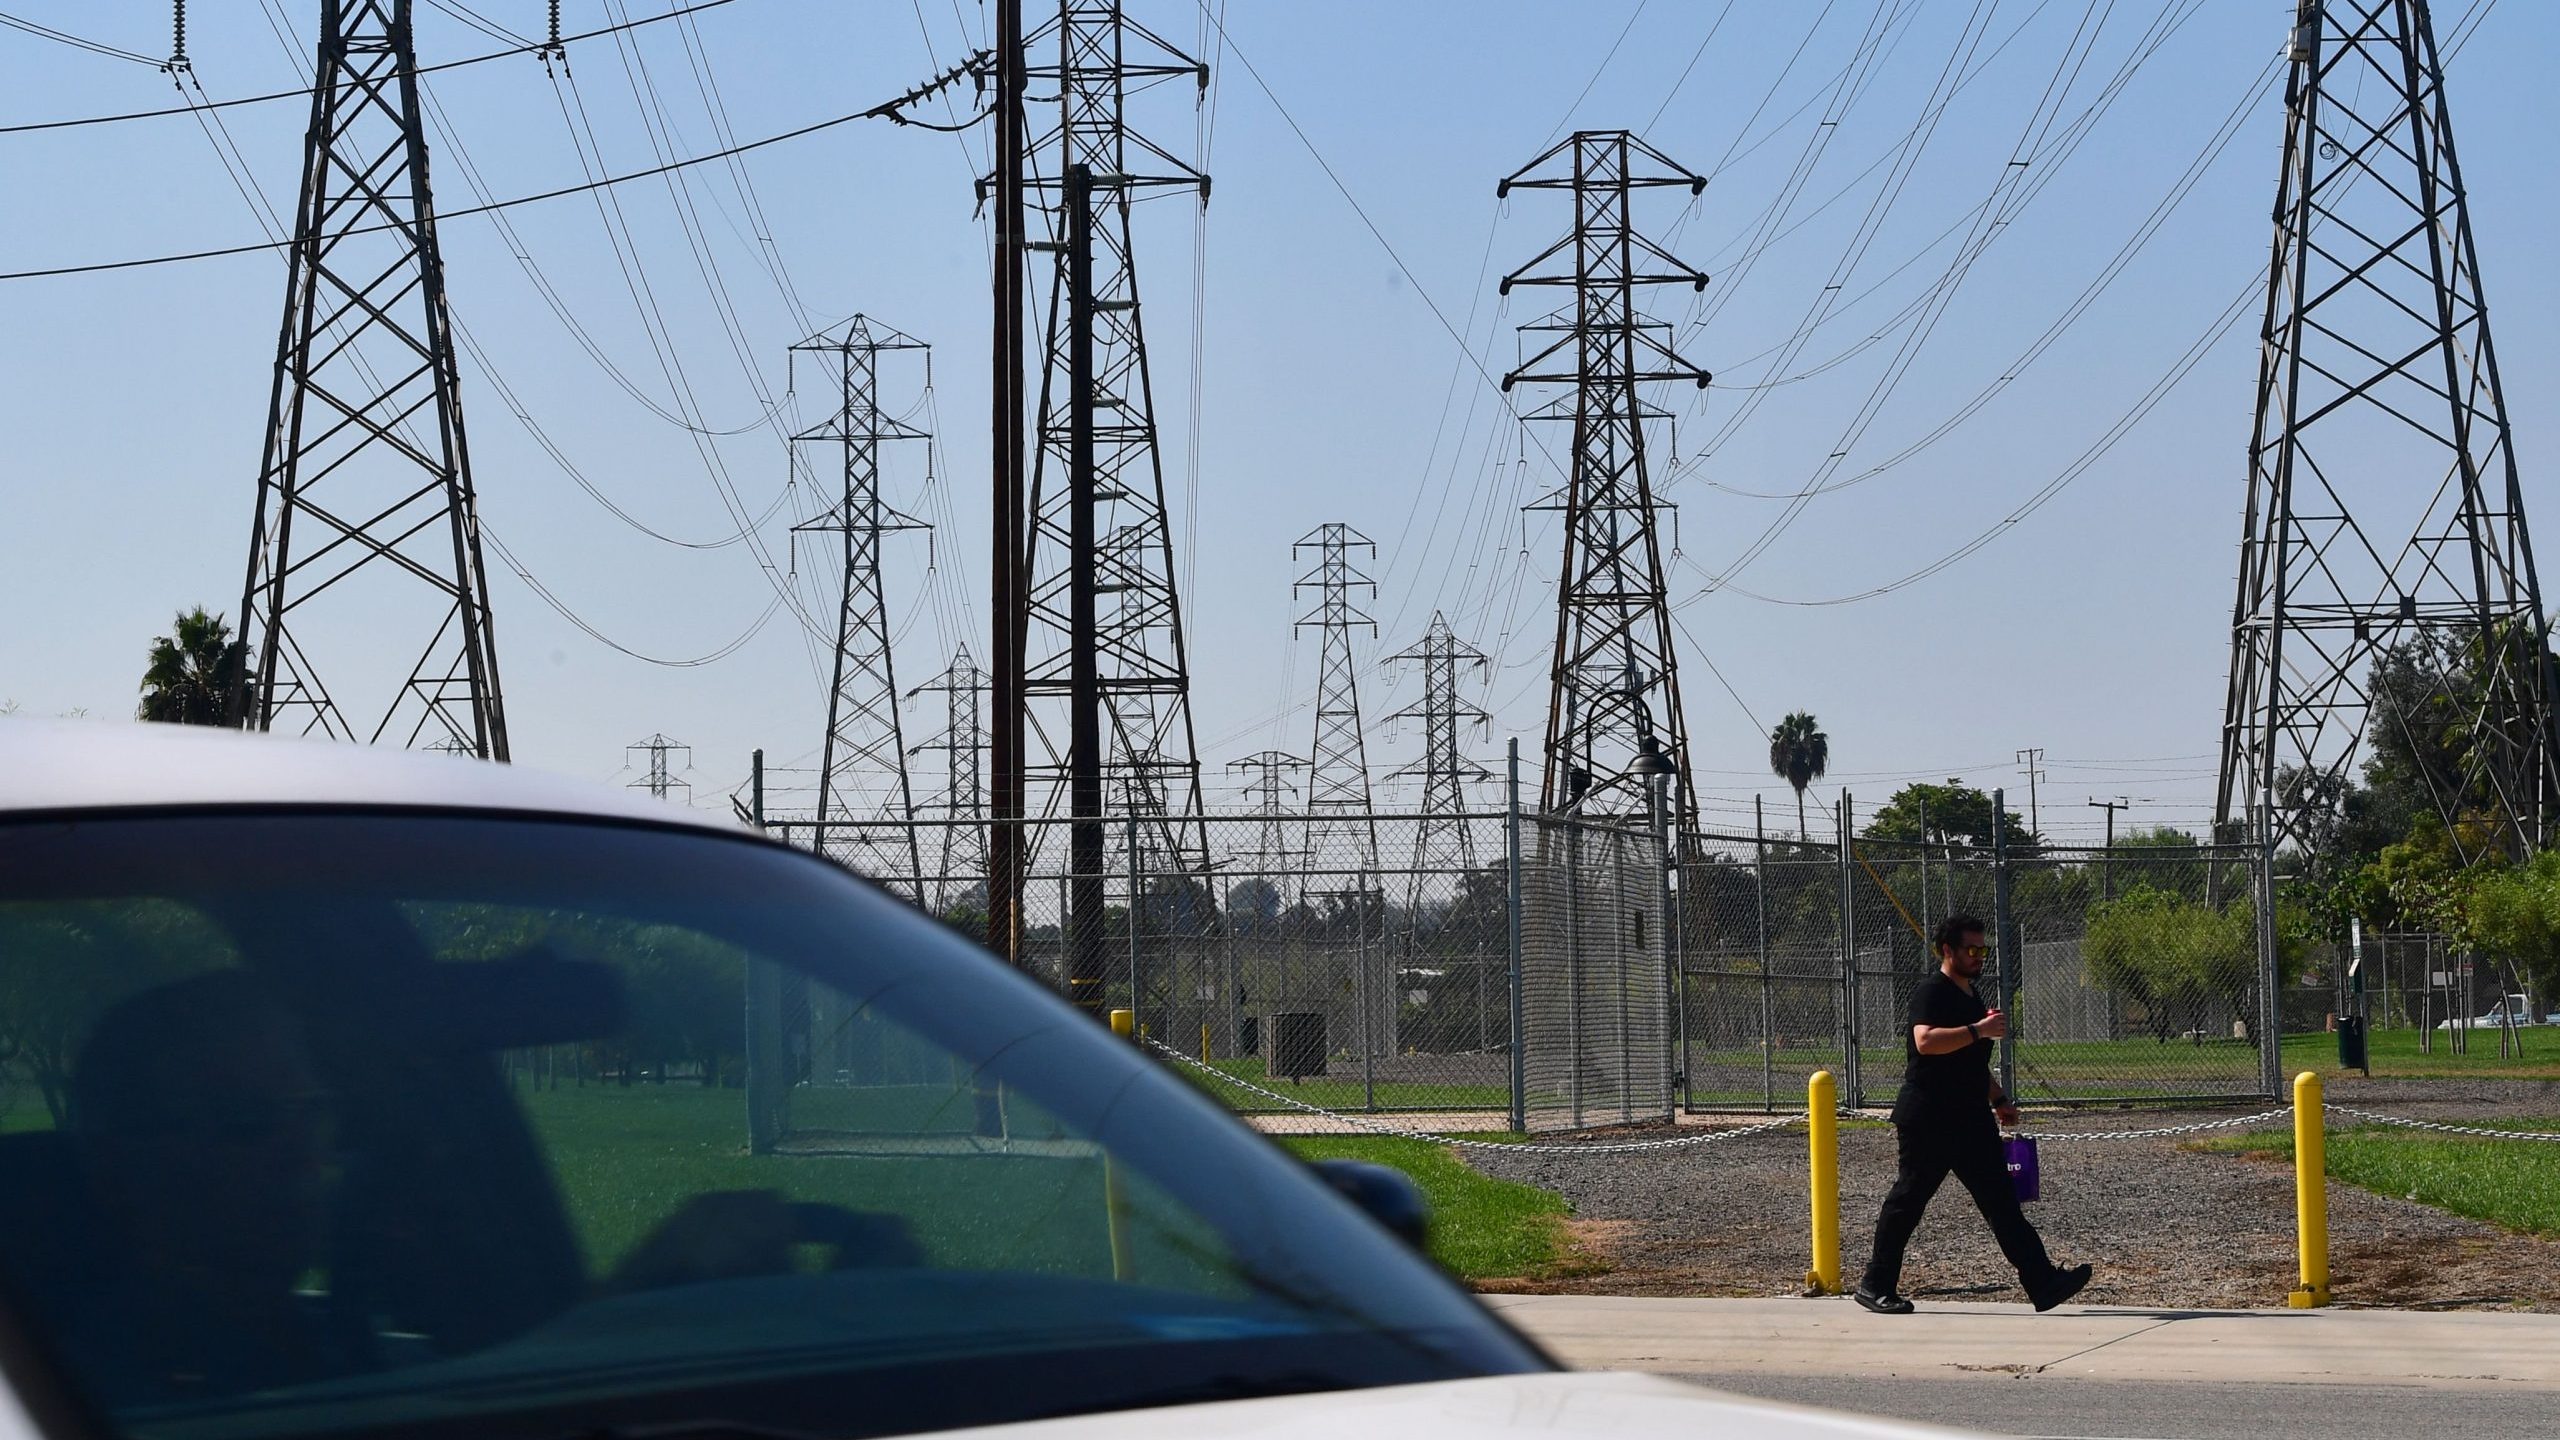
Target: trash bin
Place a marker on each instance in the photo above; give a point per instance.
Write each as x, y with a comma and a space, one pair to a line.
1297, 1044
2351, 1043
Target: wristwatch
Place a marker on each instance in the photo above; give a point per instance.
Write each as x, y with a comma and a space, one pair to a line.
1973, 1028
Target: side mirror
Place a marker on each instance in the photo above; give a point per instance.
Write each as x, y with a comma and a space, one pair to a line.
1386, 1194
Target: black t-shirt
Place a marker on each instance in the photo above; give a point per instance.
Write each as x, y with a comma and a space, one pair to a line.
1958, 1081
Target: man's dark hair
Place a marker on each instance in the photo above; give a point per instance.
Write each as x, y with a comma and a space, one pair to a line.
1952, 930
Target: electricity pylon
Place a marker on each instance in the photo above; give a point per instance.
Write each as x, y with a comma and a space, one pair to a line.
364, 491
964, 808
1443, 844
1342, 828
1269, 792
1096, 58
1613, 711
660, 779
2385, 527
865, 744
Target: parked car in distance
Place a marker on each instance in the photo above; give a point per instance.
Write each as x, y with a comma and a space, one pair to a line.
2519, 1006
386, 1095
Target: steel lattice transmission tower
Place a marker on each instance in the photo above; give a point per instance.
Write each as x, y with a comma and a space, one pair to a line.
660, 779
1443, 845
1269, 793
2385, 523
1614, 704
865, 743
1342, 829
963, 744
1097, 58
364, 491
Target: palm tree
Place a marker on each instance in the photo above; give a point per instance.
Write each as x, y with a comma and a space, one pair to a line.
1798, 753
192, 672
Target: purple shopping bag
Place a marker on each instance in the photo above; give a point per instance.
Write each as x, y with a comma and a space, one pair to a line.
2022, 1165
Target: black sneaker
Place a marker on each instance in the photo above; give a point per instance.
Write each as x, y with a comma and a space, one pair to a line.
1885, 1304
2059, 1286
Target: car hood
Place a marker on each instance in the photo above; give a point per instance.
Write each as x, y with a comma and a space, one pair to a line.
1598, 1405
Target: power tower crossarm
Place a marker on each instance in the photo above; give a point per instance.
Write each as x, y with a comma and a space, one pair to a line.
1614, 715
865, 738
366, 606
2387, 591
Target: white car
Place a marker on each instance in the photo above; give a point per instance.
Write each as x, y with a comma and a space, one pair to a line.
2519, 1006
357, 1093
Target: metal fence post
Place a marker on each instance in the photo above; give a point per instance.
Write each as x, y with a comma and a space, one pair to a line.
1674, 984
1768, 990
1137, 902
1365, 989
1519, 1011
2270, 1021
2004, 927
1849, 957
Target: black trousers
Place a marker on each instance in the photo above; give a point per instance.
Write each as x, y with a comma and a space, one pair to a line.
1967, 1146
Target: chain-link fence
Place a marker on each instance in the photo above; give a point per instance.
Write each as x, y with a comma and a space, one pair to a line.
1350, 962
1384, 963
1595, 976
2133, 974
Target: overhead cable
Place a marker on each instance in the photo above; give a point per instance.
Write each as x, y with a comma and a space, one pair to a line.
887, 110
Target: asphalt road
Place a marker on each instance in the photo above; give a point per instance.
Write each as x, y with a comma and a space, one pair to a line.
2046, 1405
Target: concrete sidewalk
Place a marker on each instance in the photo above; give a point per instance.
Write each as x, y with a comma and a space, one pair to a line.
1832, 1338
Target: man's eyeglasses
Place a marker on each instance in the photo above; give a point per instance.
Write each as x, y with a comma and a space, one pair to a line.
1972, 952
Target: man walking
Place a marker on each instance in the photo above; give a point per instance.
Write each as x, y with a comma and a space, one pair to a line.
1944, 1124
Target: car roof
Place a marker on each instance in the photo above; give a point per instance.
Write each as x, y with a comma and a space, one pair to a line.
77, 765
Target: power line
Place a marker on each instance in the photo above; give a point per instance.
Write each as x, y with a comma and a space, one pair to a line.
886, 110
64, 37
305, 92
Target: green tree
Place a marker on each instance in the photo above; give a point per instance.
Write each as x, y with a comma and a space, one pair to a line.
193, 672
1953, 811
2174, 956
1799, 753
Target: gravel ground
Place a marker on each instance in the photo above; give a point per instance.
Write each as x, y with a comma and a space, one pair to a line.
2164, 1224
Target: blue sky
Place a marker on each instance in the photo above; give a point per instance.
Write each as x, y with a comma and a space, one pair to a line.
1324, 384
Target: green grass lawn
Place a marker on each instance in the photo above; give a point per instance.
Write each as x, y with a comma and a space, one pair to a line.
1480, 1227
2395, 1055
625, 1157
2510, 1183
1343, 1089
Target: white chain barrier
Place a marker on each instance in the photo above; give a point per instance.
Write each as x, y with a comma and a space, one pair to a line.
1738, 1132
2233, 1123
1504, 1147
2437, 1125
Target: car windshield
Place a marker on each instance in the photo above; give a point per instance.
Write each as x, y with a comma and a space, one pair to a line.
337, 1123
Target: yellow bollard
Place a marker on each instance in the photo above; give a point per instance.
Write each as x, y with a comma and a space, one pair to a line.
1822, 1121
2310, 1191
1124, 1023
1204, 1042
